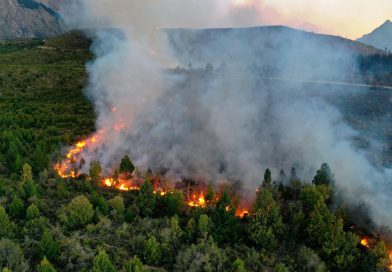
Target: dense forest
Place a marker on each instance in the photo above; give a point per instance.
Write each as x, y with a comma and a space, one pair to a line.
48, 223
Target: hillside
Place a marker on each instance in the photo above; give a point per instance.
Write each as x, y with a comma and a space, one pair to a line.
380, 38
50, 223
271, 49
28, 19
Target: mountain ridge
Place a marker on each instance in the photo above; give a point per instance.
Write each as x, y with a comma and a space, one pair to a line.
28, 19
381, 37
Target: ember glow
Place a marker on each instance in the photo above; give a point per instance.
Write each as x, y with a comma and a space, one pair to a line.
69, 169
197, 200
365, 242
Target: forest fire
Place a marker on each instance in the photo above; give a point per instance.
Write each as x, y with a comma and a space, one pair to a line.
74, 161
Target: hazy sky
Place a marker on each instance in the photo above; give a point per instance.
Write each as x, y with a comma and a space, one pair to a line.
348, 18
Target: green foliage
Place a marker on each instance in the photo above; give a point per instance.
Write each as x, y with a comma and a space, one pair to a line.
267, 178
11, 256
7, 229
310, 261
27, 174
126, 166
102, 263
310, 196
47, 246
324, 175
151, 252
146, 199
16, 208
225, 224
100, 203
239, 265
45, 266
95, 172
203, 226
77, 213
265, 226
205, 256
134, 265
174, 203
32, 212
117, 203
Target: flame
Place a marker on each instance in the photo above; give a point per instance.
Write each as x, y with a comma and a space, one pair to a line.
390, 261
197, 201
66, 168
365, 242
69, 168
241, 213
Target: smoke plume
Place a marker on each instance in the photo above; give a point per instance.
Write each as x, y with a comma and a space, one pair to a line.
230, 122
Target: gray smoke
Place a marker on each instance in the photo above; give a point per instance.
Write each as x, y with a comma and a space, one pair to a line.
258, 110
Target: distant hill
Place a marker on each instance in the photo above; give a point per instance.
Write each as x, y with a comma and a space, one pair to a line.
28, 19
271, 50
381, 37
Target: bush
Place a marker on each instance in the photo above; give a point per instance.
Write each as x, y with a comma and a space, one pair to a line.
77, 213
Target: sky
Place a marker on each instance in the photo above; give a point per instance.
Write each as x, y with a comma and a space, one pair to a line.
347, 18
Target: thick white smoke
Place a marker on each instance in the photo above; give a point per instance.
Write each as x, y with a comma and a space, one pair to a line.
228, 124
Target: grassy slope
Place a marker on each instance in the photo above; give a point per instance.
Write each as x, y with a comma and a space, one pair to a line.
41, 97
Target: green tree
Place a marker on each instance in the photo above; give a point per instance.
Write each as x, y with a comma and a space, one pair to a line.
203, 226
205, 256
323, 176
225, 224
16, 208
95, 172
309, 197
32, 212
27, 174
45, 266
117, 203
134, 265
100, 203
47, 246
102, 263
151, 253
174, 203
7, 229
126, 166
40, 157
146, 199
11, 256
239, 265
77, 213
267, 178
265, 225
325, 231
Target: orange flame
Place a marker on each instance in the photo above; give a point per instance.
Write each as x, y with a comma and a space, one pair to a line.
197, 201
68, 168
241, 213
365, 242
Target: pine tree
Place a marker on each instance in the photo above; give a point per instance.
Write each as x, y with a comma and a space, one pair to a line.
146, 199
267, 178
265, 226
323, 176
7, 227
102, 263
45, 266
134, 265
126, 166
225, 223
47, 246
